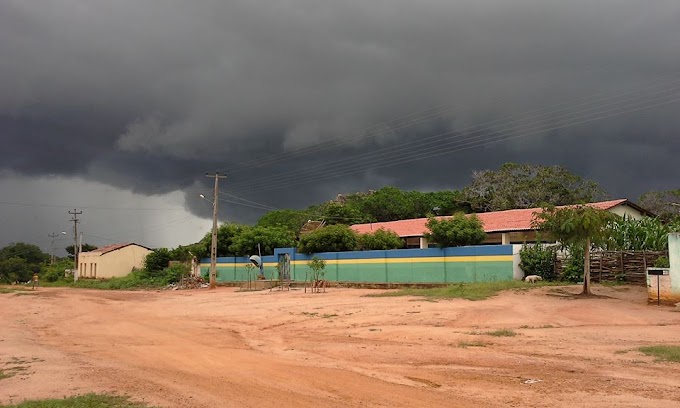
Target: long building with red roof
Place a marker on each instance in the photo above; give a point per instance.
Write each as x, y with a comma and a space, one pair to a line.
501, 227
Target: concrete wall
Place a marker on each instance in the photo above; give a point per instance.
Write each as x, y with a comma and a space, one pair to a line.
116, 263
674, 257
433, 265
628, 211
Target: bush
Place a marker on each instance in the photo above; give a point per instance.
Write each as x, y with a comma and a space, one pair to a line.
333, 238
662, 262
174, 272
459, 230
538, 259
157, 260
380, 240
574, 265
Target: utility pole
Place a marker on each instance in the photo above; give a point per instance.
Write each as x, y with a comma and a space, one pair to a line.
75, 242
52, 235
213, 246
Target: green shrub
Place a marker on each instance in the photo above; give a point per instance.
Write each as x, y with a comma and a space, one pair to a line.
332, 238
174, 272
457, 230
380, 240
572, 271
157, 261
538, 259
662, 262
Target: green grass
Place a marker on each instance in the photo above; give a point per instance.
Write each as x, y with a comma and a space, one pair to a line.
81, 401
135, 280
12, 289
663, 353
466, 344
501, 333
4, 375
469, 291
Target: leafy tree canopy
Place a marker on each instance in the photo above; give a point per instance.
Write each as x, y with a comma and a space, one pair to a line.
32, 254
86, 248
662, 203
576, 226
526, 186
269, 238
459, 230
380, 239
332, 238
291, 220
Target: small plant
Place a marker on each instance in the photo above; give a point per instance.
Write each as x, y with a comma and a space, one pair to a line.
318, 267
466, 344
538, 259
87, 400
663, 353
662, 262
501, 333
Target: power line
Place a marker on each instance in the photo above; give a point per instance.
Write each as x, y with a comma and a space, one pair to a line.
23, 204
420, 145
470, 143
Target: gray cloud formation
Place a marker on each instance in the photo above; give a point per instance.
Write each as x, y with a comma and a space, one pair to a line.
147, 96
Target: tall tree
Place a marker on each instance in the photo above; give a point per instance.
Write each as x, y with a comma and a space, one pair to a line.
526, 186
576, 226
19, 261
86, 248
289, 219
665, 204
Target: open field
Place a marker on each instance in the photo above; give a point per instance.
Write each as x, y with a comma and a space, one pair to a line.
222, 348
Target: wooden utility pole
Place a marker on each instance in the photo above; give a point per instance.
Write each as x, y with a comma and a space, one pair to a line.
213, 246
75, 242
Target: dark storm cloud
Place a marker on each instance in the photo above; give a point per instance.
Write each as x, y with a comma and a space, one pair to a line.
147, 96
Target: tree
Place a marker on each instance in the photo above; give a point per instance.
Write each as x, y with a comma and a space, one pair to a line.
332, 238
577, 226
157, 260
225, 237
526, 186
32, 254
459, 230
292, 220
17, 269
380, 239
662, 203
269, 238
86, 248
318, 267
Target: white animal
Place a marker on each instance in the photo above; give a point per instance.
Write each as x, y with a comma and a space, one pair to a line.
533, 278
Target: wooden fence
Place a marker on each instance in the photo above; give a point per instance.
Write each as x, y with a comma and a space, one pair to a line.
626, 266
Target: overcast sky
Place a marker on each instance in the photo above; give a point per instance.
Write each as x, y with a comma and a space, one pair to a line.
119, 108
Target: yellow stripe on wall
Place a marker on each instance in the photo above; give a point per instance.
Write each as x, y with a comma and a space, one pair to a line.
433, 259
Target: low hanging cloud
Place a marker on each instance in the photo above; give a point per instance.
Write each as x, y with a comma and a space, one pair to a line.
148, 96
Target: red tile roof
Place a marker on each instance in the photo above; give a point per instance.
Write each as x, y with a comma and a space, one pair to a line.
497, 221
114, 247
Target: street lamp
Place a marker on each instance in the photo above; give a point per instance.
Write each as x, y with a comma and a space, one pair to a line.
53, 235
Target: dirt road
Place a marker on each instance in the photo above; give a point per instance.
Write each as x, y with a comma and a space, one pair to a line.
225, 348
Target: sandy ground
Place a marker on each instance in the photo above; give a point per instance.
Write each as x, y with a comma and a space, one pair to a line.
225, 348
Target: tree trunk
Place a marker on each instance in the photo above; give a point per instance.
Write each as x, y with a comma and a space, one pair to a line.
586, 269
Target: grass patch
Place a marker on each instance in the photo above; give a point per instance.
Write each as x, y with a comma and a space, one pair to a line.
4, 375
134, 281
81, 401
12, 289
501, 333
663, 353
466, 344
469, 291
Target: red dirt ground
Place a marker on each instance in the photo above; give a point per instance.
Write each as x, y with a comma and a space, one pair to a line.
223, 348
